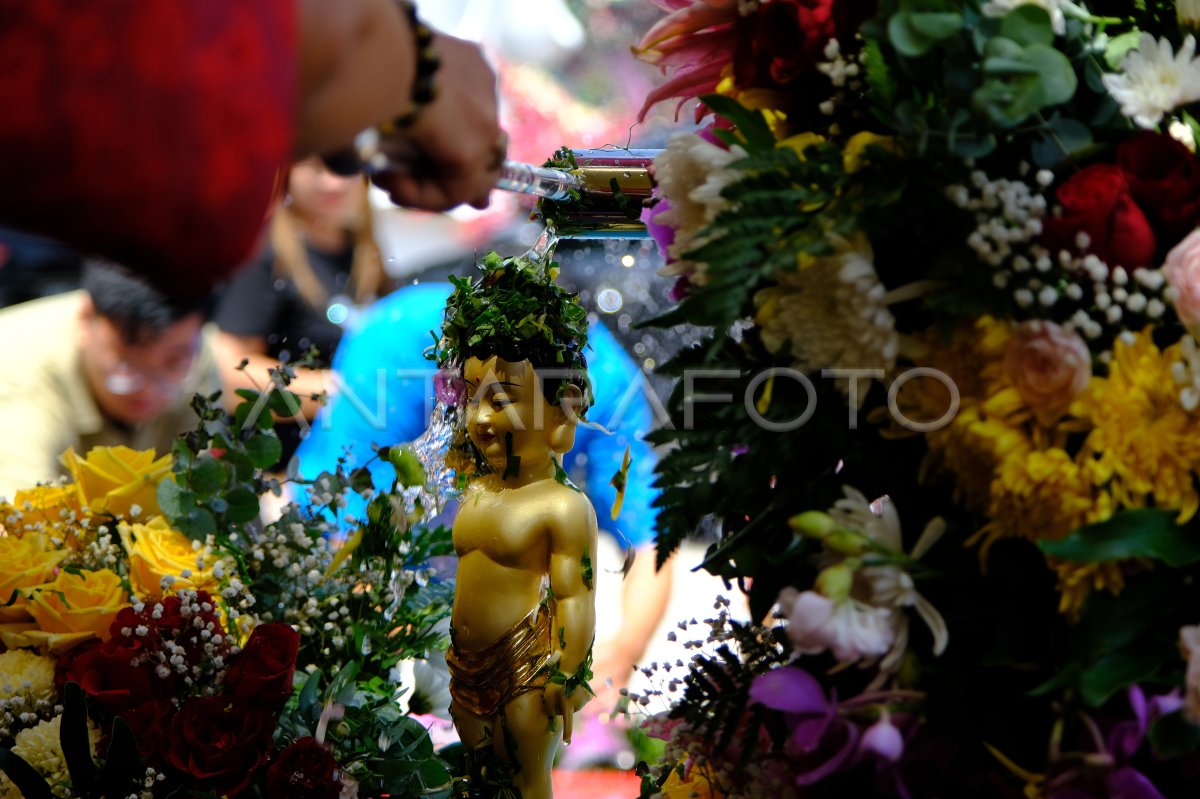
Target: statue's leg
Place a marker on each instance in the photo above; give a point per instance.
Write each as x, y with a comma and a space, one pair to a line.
535, 740
472, 730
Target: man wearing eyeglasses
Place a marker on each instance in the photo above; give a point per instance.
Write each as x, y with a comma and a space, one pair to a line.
114, 363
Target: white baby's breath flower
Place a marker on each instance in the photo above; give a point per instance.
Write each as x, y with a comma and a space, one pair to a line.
1155, 80
1001, 8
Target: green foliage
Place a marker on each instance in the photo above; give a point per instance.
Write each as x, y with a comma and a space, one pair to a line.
514, 309
1130, 534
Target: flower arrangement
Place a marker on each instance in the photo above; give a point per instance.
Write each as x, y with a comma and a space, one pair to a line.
945, 419
158, 639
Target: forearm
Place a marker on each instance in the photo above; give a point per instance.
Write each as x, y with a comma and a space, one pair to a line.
356, 70
574, 628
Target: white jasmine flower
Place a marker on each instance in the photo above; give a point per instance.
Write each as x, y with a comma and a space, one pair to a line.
1001, 8
1155, 80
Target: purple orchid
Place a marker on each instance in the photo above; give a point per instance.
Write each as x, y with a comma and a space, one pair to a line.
1123, 741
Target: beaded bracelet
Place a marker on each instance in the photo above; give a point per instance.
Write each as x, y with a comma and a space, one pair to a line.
424, 92
366, 153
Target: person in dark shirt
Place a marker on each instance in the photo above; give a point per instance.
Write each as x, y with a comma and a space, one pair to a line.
303, 290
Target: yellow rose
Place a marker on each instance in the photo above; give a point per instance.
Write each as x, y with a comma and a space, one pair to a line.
854, 155
696, 786
801, 142
73, 608
114, 479
156, 551
27, 562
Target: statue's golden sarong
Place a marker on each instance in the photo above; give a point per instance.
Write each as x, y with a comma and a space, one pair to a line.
485, 680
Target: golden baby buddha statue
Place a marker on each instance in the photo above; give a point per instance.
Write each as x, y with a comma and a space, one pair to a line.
523, 618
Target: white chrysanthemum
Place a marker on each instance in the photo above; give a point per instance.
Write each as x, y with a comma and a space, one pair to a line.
832, 313
692, 172
1001, 8
1155, 80
27, 675
426, 685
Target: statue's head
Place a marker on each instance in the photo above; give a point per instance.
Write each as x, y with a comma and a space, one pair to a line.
516, 339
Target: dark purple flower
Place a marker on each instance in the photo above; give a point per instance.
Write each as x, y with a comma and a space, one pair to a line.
1129, 783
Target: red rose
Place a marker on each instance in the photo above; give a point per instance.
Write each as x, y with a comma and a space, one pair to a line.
781, 41
305, 770
149, 723
219, 744
1096, 201
1164, 178
108, 675
262, 672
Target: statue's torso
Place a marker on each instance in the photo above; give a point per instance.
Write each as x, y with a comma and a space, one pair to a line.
503, 543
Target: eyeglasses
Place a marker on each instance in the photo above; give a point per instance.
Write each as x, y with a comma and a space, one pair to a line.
125, 378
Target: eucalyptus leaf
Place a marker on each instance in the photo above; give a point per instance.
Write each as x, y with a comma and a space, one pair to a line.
1028, 24
197, 523
1058, 78
241, 505
173, 500
1062, 138
264, 449
207, 474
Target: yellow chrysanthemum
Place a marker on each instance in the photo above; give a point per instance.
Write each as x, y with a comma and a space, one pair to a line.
1043, 495
27, 675
970, 447
1143, 441
1076, 581
39, 747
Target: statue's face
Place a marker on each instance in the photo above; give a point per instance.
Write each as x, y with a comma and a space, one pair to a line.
504, 399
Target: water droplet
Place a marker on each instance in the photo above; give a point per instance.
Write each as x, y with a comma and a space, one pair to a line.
280, 284
609, 300
639, 349
337, 313
628, 261
649, 364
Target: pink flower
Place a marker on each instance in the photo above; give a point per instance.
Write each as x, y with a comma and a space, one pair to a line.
696, 40
852, 630
1189, 646
1049, 366
883, 739
1182, 270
